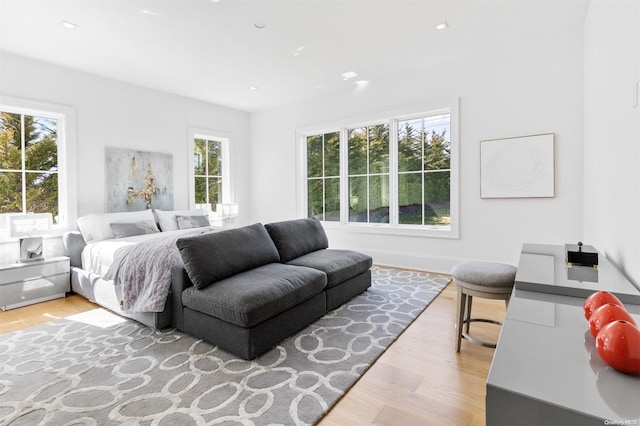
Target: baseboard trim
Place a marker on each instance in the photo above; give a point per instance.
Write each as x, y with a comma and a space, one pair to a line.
420, 262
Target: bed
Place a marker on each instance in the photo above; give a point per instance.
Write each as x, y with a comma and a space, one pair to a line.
124, 261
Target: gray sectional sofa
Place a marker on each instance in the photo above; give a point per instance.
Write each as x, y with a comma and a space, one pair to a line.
248, 288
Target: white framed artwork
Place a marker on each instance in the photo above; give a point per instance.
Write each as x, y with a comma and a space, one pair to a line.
138, 180
518, 167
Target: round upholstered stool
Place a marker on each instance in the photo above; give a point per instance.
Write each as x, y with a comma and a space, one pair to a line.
488, 280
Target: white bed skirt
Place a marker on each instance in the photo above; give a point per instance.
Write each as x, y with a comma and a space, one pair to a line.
106, 294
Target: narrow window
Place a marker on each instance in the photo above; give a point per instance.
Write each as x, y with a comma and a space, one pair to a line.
323, 176
207, 172
368, 174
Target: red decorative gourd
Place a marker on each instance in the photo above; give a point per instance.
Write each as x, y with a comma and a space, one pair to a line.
618, 344
598, 299
606, 314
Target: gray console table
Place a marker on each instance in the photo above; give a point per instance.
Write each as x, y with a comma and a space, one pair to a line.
546, 370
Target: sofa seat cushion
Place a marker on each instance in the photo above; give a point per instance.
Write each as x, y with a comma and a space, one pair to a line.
295, 238
209, 258
339, 265
254, 296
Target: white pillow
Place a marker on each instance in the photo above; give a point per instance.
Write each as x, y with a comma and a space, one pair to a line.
195, 221
167, 219
97, 227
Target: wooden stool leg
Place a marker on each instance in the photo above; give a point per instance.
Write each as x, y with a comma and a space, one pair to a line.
460, 318
468, 313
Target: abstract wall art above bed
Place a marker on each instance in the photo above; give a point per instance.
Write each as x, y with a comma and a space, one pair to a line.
138, 180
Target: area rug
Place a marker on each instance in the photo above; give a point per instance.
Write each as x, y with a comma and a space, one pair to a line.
97, 368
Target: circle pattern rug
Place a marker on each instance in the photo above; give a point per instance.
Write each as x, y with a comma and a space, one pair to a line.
97, 368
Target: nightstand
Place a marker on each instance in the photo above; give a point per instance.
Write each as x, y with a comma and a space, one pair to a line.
23, 284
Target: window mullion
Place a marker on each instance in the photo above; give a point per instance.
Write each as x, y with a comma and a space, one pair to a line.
324, 179
424, 172
393, 173
23, 148
368, 178
206, 174
344, 176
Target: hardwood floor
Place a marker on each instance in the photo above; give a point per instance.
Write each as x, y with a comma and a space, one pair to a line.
28, 316
419, 380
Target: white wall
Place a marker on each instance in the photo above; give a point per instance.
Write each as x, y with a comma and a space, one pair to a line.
114, 114
508, 88
612, 132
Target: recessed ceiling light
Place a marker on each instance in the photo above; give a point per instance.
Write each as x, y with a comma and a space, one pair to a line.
361, 85
253, 88
69, 25
442, 26
148, 12
349, 74
260, 25
298, 51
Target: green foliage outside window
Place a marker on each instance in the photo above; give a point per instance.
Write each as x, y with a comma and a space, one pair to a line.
323, 176
369, 174
423, 173
28, 164
424, 159
207, 168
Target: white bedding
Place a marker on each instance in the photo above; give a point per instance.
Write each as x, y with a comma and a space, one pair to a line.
141, 264
98, 256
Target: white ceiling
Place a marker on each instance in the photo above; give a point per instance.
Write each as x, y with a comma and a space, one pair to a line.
212, 51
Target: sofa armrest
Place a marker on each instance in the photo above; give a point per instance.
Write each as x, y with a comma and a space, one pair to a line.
179, 282
74, 243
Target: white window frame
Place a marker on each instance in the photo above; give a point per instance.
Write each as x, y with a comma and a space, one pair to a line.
67, 157
392, 117
225, 139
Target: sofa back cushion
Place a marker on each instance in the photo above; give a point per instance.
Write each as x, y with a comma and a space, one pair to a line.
214, 256
295, 238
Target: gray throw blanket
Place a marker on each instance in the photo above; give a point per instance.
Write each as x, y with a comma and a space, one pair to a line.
144, 271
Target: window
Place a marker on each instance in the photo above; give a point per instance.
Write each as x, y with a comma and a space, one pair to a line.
209, 181
323, 176
368, 176
207, 169
391, 175
36, 143
424, 159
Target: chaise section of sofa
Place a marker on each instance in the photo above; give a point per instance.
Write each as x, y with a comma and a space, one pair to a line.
303, 242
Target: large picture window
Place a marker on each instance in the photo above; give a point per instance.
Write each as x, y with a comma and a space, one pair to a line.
398, 173
36, 144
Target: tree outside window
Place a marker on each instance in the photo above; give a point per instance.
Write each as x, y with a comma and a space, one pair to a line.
207, 164
397, 172
369, 174
28, 164
323, 176
424, 171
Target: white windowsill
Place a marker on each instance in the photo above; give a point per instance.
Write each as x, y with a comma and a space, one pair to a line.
384, 229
